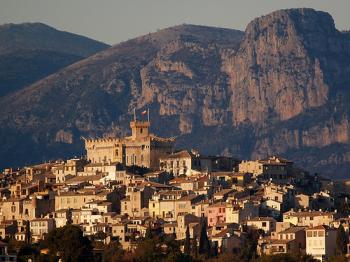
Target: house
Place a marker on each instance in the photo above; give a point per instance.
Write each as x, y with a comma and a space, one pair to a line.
76, 200
216, 213
5, 255
291, 240
227, 241
241, 211
8, 229
62, 217
187, 204
321, 242
273, 168
136, 199
41, 226
309, 218
163, 204
267, 224
187, 220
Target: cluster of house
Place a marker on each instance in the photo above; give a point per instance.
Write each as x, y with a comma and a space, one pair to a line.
104, 192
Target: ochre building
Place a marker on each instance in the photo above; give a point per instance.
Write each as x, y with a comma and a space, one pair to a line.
141, 148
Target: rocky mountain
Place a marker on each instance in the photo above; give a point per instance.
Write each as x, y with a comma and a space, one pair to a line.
280, 87
31, 51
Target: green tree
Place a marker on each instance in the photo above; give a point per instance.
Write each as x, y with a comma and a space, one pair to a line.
341, 240
187, 247
69, 244
204, 244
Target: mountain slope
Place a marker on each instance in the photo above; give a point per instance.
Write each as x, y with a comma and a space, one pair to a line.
281, 87
31, 51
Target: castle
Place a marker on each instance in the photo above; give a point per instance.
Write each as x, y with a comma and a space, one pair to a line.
141, 148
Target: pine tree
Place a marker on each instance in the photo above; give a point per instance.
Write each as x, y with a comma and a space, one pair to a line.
187, 247
341, 240
204, 244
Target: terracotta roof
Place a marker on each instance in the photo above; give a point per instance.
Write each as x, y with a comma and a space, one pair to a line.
225, 233
154, 184
221, 173
324, 227
280, 241
188, 197
262, 219
292, 230
308, 213
181, 154
78, 179
223, 192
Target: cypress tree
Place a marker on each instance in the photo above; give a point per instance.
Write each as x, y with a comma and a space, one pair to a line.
341, 240
194, 248
149, 234
204, 245
187, 247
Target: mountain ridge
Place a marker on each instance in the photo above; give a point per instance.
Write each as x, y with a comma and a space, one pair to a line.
31, 51
269, 90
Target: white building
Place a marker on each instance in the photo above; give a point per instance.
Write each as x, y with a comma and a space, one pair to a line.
321, 242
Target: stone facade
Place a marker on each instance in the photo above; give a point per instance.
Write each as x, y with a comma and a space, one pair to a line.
141, 148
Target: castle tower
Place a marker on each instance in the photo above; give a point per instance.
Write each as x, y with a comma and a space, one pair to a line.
139, 129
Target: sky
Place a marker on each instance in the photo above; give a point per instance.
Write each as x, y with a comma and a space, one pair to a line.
114, 21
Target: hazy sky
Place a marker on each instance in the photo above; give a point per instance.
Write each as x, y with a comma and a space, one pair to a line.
112, 21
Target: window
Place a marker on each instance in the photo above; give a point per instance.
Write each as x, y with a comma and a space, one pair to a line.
263, 224
321, 233
314, 233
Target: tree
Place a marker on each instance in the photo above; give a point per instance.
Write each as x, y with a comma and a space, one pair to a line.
148, 250
187, 247
194, 249
287, 258
204, 244
100, 236
113, 252
69, 244
341, 240
248, 251
149, 234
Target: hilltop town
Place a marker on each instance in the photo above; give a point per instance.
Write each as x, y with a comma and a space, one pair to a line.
139, 193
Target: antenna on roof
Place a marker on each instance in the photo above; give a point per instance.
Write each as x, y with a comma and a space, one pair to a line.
134, 114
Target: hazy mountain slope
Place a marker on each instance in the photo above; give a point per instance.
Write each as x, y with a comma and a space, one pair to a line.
97, 95
31, 51
281, 87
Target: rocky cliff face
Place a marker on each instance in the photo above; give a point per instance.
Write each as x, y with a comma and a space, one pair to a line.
274, 73
279, 88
